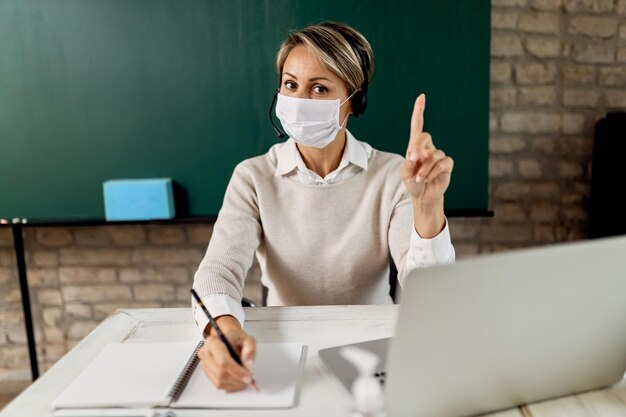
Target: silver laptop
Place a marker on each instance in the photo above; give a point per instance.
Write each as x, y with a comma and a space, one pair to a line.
501, 330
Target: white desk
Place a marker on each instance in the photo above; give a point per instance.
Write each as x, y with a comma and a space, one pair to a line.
317, 327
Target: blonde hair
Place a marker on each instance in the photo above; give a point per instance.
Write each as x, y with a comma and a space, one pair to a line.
343, 50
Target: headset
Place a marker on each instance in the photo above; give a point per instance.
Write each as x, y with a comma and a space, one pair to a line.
359, 99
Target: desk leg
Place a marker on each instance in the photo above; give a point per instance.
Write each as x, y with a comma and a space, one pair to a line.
18, 242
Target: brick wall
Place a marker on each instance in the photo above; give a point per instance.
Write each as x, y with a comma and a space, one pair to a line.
557, 67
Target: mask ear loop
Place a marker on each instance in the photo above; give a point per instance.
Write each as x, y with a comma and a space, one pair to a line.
342, 103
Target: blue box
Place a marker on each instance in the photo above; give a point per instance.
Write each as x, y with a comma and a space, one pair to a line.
140, 199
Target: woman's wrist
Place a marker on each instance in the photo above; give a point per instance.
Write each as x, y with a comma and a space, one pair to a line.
428, 217
226, 323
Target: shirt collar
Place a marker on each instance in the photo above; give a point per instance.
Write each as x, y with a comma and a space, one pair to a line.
288, 157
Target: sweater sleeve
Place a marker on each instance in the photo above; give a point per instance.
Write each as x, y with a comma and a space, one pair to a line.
409, 250
236, 236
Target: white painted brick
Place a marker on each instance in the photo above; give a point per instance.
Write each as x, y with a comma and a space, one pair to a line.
535, 73
53, 334
569, 169
543, 144
12, 296
502, 97
529, 168
80, 311
493, 122
16, 333
593, 6
44, 257
464, 249
96, 257
7, 257
509, 212
578, 74
526, 191
465, 228
79, 329
573, 123
500, 72
543, 46
54, 236
601, 27
166, 235
544, 212
154, 292
504, 19
531, 122
6, 237
575, 213
539, 22
551, 5
127, 235
42, 277
7, 275
613, 76
167, 256
616, 99
506, 144
87, 275
508, 3
544, 234
91, 236
581, 98
500, 167
54, 352
100, 311
537, 96
97, 293
48, 297
51, 316
505, 233
593, 52
12, 356
200, 234
166, 274
506, 45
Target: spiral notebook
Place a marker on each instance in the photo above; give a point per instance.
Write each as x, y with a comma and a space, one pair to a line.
134, 375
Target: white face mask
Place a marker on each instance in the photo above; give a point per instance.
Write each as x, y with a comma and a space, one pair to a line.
310, 122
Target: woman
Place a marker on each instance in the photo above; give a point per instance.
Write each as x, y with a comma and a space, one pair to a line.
322, 210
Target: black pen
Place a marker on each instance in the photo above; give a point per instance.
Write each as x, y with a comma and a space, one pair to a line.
232, 352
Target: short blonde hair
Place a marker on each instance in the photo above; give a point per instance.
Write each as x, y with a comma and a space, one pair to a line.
340, 48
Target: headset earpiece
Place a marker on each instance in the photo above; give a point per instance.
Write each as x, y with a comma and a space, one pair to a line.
359, 102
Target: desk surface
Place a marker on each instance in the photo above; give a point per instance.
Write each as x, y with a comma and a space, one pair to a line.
317, 327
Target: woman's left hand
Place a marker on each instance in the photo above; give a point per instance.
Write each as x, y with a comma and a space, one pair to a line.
426, 170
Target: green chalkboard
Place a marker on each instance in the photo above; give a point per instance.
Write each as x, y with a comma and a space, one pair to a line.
92, 90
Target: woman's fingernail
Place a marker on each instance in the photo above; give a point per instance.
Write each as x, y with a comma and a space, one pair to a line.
419, 179
249, 363
247, 380
413, 156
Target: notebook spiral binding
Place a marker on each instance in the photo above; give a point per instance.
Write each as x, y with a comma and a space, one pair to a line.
185, 375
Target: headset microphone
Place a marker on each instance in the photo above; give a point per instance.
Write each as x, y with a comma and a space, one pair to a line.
278, 131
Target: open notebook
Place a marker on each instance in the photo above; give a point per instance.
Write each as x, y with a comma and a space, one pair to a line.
137, 375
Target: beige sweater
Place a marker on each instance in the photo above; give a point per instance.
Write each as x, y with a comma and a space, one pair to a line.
315, 244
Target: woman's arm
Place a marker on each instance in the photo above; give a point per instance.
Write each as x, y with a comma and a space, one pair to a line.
219, 282
426, 174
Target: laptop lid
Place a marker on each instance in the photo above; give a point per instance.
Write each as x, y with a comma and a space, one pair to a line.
507, 329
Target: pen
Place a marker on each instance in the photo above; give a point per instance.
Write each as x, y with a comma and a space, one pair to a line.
232, 352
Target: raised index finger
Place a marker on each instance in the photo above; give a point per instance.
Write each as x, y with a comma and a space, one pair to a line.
417, 127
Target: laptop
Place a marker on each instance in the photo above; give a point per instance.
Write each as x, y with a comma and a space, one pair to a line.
497, 331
